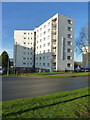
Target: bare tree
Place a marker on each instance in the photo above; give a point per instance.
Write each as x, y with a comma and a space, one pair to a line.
82, 40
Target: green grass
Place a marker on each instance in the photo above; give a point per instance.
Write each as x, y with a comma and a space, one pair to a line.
26, 74
46, 75
68, 75
70, 104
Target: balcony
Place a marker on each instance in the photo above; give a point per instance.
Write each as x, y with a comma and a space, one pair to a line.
54, 46
53, 39
54, 61
54, 25
54, 32
54, 66
54, 53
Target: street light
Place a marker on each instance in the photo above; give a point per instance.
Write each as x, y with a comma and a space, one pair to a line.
8, 66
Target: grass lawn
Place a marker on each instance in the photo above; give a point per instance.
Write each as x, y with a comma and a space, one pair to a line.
26, 74
70, 104
52, 74
69, 75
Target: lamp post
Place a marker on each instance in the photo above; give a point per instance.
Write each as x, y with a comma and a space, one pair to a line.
8, 66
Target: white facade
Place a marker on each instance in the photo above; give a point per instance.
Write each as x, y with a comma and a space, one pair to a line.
23, 48
52, 42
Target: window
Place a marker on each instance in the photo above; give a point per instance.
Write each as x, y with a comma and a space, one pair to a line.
69, 36
47, 64
24, 37
24, 47
48, 23
31, 33
49, 44
24, 52
31, 38
28, 43
69, 42
28, 38
44, 51
48, 36
24, 63
44, 45
40, 64
28, 48
37, 36
48, 30
28, 58
69, 21
40, 34
37, 30
40, 46
24, 42
44, 26
40, 29
48, 50
28, 63
43, 64
69, 50
69, 29
64, 48
37, 47
44, 32
24, 58
68, 57
68, 65
40, 58
44, 39
24, 33
37, 41
40, 40
37, 64
43, 58
28, 53
47, 57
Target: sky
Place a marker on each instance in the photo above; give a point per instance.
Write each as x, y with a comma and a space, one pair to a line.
27, 15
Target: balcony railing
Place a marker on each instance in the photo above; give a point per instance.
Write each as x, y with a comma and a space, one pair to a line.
54, 25
53, 53
53, 40
54, 60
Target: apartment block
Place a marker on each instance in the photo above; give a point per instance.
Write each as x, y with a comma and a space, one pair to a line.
50, 48
23, 50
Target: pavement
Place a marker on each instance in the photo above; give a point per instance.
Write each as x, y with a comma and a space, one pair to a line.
22, 87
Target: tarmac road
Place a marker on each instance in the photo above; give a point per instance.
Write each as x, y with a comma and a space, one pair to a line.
21, 87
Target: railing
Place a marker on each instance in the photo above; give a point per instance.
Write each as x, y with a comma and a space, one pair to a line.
54, 32
53, 40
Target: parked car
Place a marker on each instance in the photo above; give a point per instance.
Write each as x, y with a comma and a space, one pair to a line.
77, 69
82, 70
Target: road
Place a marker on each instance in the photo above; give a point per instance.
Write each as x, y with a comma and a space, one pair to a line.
21, 87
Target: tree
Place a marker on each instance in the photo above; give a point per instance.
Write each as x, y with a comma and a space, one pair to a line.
5, 61
82, 40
